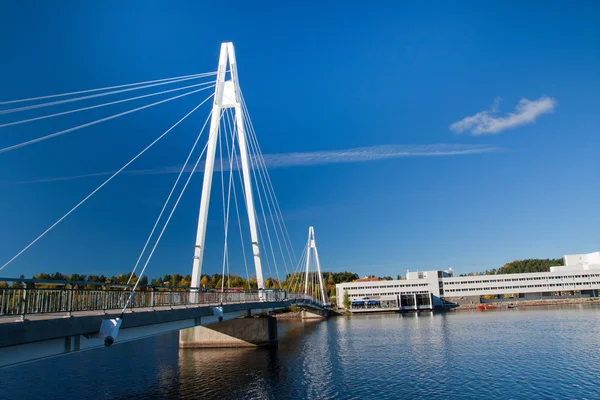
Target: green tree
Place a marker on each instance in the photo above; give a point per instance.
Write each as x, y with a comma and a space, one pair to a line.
346, 300
204, 281
78, 278
253, 282
330, 279
522, 266
530, 265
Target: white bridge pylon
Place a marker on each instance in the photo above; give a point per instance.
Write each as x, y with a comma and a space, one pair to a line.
312, 245
227, 95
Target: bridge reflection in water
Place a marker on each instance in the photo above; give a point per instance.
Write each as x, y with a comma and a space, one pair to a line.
246, 373
155, 368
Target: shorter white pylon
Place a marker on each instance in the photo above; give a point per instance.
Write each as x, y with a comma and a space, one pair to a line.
312, 245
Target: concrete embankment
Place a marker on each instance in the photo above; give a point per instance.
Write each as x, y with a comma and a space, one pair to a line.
288, 315
533, 303
303, 314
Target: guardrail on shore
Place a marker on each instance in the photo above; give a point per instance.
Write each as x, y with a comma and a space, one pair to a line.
33, 300
514, 299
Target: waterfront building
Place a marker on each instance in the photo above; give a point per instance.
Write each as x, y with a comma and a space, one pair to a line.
432, 289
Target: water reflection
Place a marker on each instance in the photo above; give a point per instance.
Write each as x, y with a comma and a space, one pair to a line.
522, 353
253, 373
227, 373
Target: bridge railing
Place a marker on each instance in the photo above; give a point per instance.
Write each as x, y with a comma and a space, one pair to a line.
33, 300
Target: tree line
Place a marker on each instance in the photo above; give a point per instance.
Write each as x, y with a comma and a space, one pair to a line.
522, 266
291, 281
214, 281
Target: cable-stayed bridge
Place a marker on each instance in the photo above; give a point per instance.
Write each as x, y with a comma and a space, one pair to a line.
46, 318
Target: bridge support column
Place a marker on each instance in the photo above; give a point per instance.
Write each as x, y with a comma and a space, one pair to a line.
239, 332
314, 314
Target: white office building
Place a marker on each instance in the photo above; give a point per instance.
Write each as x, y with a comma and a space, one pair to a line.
430, 289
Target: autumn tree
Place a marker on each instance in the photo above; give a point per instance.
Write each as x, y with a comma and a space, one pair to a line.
346, 300
204, 281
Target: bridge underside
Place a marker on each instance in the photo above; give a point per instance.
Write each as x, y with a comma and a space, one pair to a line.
50, 335
238, 332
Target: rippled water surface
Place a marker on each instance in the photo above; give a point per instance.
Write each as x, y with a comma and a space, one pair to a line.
534, 353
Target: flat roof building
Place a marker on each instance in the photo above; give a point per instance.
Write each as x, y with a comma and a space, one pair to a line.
367, 279
581, 273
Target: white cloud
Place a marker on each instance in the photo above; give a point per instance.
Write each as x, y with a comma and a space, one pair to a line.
304, 159
486, 122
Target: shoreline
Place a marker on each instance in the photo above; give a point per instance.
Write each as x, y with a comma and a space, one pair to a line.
293, 314
531, 303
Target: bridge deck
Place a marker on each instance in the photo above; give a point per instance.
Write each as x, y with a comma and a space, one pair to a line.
34, 328
47, 335
94, 313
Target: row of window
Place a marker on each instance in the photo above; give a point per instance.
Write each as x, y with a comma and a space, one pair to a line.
411, 285
350, 294
556, 285
537, 278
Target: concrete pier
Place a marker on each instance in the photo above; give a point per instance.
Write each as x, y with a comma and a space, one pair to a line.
239, 332
314, 314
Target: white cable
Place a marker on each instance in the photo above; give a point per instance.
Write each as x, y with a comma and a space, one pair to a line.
281, 220
239, 169
105, 88
30, 142
97, 189
314, 279
172, 189
223, 203
163, 228
268, 196
266, 226
301, 274
279, 215
298, 271
314, 276
240, 221
230, 187
293, 278
226, 212
262, 240
273, 196
53, 103
237, 210
262, 210
254, 168
102, 105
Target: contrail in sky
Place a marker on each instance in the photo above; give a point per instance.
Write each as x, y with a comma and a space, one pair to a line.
323, 157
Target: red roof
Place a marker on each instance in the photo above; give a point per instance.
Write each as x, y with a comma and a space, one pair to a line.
367, 280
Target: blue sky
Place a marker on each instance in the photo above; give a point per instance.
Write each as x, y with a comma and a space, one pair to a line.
477, 127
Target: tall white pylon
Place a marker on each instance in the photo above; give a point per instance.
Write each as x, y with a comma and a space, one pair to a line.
312, 245
227, 95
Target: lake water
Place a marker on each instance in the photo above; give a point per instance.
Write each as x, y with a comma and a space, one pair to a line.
533, 353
